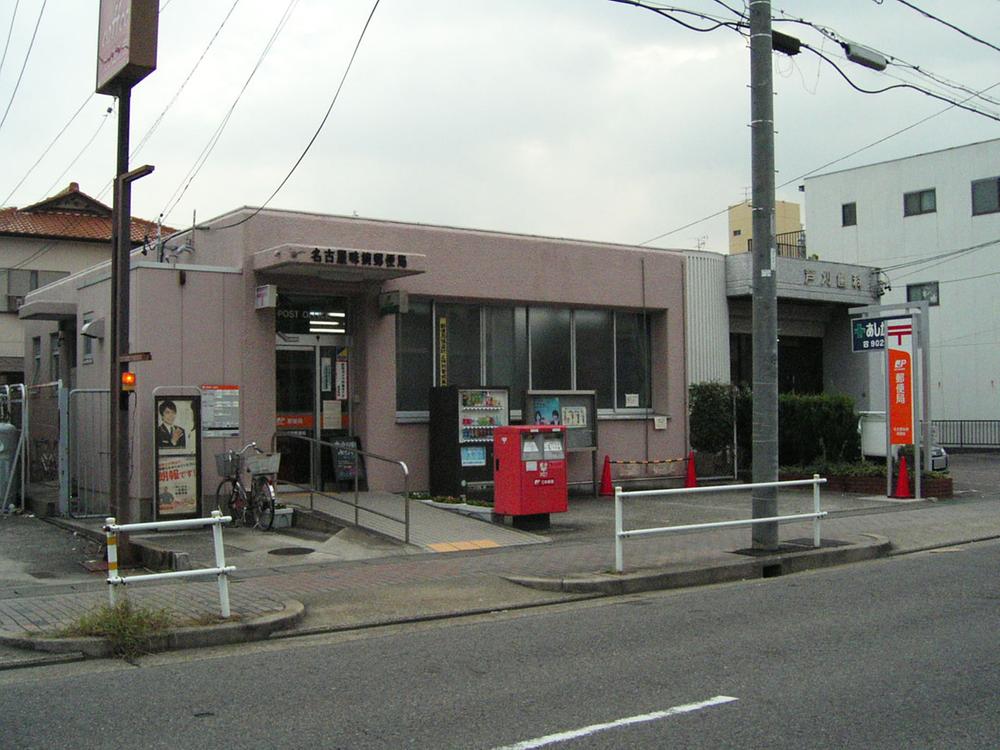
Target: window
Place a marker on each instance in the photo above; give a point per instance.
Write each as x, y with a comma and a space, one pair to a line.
459, 345
36, 357
927, 291
456, 344
595, 355
551, 356
737, 232
919, 202
17, 282
633, 363
414, 357
986, 196
849, 215
54, 356
88, 342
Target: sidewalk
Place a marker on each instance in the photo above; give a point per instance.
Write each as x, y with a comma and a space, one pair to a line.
569, 561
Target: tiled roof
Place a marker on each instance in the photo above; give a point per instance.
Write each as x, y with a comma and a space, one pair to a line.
70, 215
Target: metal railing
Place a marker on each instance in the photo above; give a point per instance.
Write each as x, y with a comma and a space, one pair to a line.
788, 244
221, 570
355, 506
967, 433
622, 534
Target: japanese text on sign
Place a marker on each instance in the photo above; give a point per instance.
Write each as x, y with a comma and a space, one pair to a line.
361, 258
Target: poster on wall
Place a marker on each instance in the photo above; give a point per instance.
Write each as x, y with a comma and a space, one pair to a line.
546, 410
178, 453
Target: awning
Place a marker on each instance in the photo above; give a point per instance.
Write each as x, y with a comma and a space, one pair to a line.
47, 310
337, 263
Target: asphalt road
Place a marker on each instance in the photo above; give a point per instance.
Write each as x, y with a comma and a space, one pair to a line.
903, 652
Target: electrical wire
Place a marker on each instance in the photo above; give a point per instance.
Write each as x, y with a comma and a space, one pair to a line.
24, 64
945, 256
48, 148
179, 192
319, 129
666, 12
10, 31
952, 26
82, 151
924, 91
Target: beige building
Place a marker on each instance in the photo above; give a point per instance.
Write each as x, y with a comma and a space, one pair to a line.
39, 244
788, 228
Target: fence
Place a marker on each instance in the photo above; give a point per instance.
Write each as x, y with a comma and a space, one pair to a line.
87, 432
221, 570
967, 433
622, 534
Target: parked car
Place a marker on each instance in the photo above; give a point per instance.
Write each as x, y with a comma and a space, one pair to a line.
939, 458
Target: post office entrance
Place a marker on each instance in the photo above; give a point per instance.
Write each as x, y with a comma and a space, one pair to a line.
312, 404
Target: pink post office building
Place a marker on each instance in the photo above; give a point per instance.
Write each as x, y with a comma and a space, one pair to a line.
286, 324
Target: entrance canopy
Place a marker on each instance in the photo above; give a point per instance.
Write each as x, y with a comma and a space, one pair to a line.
338, 263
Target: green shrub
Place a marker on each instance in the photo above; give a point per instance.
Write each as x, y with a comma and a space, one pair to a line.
127, 627
711, 416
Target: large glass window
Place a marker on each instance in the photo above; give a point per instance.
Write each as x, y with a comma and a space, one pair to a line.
505, 334
595, 355
414, 357
633, 362
551, 360
459, 344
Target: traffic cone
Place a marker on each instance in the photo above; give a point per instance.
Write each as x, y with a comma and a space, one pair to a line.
606, 489
692, 479
903, 480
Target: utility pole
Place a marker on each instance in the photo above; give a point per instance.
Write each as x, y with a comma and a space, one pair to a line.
765, 306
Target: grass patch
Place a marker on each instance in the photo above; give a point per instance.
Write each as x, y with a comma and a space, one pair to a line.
127, 627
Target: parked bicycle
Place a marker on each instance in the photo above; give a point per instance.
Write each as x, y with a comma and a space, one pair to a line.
253, 506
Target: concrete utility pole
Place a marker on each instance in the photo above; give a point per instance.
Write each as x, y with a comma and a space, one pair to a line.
765, 306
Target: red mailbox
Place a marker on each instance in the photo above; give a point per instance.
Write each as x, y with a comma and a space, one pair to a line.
529, 470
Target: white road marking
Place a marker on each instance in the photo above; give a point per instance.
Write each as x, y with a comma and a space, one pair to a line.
595, 728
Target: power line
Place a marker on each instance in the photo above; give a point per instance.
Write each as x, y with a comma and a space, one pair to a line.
312, 140
214, 139
48, 148
952, 26
10, 30
667, 11
82, 151
24, 64
941, 257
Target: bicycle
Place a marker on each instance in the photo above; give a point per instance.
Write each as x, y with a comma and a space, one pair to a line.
256, 507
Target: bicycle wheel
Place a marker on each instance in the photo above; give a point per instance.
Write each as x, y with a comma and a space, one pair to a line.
223, 494
263, 503
232, 501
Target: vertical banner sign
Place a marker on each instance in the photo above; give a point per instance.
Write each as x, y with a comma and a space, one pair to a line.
443, 351
899, 352
340, 390
178, 456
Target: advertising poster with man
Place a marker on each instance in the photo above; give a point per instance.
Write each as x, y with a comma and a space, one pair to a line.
178, 448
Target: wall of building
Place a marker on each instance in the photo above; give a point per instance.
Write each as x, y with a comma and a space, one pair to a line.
965, 327
787, 218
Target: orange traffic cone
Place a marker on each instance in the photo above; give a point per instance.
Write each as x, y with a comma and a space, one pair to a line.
692, 479
903, 480
606, 488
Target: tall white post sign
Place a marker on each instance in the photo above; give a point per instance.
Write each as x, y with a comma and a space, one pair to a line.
126, 43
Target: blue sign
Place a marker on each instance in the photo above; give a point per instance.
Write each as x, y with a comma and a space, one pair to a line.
868, 335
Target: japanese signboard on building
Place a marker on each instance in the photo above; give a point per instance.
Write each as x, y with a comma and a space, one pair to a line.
126, 43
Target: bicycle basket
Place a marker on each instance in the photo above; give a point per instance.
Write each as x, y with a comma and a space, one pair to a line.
263, 463
227, 464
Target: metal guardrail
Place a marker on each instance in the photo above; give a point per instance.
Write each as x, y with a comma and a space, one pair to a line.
221, 570
967, 433
621, 533
405, 520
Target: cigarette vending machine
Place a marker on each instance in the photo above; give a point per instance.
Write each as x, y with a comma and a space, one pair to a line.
529, 471
463, 421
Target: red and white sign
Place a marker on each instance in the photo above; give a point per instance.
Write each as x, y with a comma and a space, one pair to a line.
899, 355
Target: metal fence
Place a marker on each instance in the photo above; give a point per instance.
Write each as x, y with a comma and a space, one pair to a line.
89, 451
967, 433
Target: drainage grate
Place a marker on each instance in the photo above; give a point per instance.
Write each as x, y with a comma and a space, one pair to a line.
291, 551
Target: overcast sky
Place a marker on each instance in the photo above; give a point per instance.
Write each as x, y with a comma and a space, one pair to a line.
572, 118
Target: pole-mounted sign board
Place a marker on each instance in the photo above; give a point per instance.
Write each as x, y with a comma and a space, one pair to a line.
126, 43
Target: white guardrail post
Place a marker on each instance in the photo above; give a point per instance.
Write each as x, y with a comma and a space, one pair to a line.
621, 533
221, 570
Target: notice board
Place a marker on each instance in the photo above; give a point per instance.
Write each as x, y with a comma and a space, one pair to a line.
575, 410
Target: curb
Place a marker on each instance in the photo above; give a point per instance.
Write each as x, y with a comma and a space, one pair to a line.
256, 629
612, 584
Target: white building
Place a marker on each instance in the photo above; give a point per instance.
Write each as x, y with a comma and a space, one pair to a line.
931, 223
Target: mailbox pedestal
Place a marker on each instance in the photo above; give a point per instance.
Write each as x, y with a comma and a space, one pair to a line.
529, 474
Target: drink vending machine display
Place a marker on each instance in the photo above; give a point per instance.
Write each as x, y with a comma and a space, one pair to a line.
463, 421
529, 470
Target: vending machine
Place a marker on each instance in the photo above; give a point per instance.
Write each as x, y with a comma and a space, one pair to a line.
529, 469
462, 424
